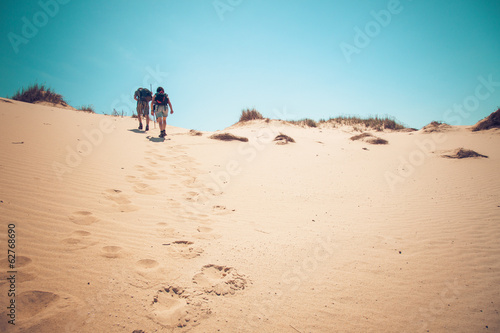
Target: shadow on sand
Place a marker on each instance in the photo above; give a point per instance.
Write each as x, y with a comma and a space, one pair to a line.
155, 139
135, 130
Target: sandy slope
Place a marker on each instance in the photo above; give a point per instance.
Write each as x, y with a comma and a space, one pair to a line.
118, 231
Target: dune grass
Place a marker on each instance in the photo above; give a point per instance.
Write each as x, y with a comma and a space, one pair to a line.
368, 137
250, 114
377, 141
465, 153
90, 109
306, 122
492, 121
38, 93
360, 136
284, 137
436, 126
195, 133
228, 137
377, 123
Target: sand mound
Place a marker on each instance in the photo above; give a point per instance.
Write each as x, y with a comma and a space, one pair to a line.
5, 100
369, 138
119, 233
61, 105
195, 133
465, 153
492, 121
436, 127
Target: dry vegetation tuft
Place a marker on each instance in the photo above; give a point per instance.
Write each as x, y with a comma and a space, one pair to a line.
306, 122
465, 153
360, 136
89, 109
369, 138
283, 139
36, 93
195, 133
375, 123
492, 121
435, 126
250, 114
377, 141
228, 137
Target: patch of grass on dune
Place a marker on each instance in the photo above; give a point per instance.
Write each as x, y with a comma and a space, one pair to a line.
368, 137
38, 93
228, 137
492, 121
90, 109
250, 114
306, 122
465, 153
284, 138
376, 122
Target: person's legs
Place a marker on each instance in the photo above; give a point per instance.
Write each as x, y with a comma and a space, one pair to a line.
160, 121
146, 114
161, 117
139, 113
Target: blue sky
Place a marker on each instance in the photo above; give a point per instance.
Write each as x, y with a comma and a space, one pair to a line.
414, 60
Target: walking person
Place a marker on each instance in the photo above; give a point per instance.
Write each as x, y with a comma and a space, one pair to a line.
162, 103
143, 96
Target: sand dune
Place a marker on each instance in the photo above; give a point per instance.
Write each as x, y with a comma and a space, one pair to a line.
118, 231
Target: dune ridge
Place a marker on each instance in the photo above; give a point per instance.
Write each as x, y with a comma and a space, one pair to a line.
117, 232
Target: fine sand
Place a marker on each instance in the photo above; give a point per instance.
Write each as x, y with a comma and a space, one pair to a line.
119, 231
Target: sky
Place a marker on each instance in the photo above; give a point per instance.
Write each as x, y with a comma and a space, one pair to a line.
415, 61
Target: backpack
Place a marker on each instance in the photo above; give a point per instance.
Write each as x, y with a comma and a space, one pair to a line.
161, 99
145, 95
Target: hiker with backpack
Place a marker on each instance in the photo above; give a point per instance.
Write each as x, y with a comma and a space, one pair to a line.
143, 97
161, 103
